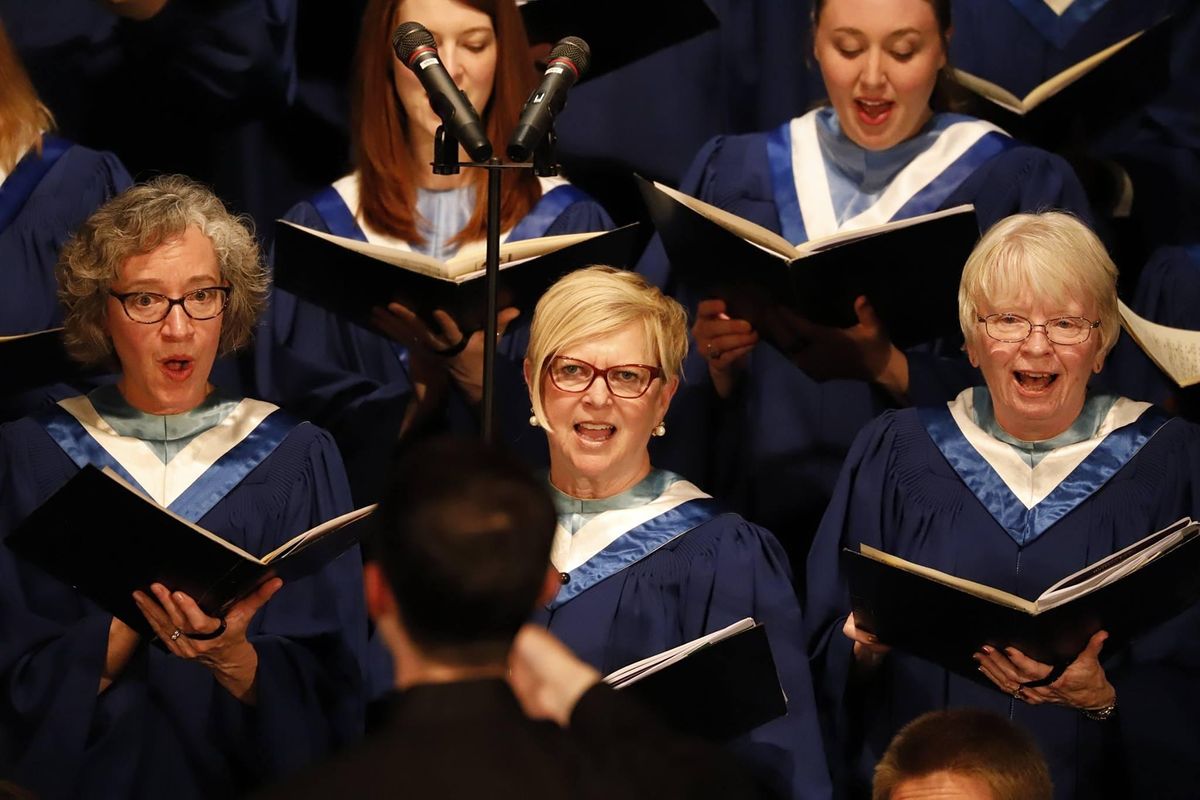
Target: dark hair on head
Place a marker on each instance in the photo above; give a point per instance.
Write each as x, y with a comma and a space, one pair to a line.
464, 534
969, 742
379, 126
948, 94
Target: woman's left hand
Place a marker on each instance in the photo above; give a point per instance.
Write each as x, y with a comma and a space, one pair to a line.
231, 658
1082, 685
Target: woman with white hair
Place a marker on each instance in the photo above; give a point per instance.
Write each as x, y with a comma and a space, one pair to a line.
648, 560
1016, 484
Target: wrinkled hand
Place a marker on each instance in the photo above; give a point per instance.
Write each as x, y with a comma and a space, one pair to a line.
868, 650
724, 342
546, 676
1082, 685
465, 367
231, 658
861, 352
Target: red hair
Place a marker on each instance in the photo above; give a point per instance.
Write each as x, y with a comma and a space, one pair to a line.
22, 115
382, 150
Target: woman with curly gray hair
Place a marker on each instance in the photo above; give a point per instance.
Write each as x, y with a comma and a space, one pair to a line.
159, 281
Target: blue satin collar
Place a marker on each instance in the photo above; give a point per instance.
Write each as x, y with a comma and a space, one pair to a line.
1095, 409
164, 434
575, 512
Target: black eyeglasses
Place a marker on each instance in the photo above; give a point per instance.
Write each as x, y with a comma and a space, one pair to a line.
150, 307
1014, 328
624, 380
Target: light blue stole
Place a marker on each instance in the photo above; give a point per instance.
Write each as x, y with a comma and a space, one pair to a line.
1026, 500
805, 183
188, 476
618, 538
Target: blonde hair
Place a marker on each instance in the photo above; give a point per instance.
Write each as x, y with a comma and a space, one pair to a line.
595, 302
136, 222
1052, 255
23, 118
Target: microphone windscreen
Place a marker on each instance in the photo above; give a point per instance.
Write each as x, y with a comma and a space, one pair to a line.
408, 37
575, 50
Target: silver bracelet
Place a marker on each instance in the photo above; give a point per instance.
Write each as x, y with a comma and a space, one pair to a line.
1101, 714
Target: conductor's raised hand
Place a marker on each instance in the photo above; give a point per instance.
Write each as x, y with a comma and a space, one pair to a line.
219, 644
547, 678
724, 342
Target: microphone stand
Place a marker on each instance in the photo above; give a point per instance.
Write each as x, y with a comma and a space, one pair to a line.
445, 162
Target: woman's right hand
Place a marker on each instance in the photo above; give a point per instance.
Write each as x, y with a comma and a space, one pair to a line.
868, 650
724, 342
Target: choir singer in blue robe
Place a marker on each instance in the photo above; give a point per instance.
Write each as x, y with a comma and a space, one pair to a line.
886, 147
649, 561
160, 279
369, 384
1016, 484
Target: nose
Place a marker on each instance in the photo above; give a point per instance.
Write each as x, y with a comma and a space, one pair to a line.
452, 63
177, 325
598, 394
873, 76
1037, 342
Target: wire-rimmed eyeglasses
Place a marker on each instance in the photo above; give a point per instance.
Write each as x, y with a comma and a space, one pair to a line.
150, 307
1014, 328
628, 381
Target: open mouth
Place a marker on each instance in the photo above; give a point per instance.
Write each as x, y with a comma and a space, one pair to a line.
177, 367
874, 112
1035, 381
595, 431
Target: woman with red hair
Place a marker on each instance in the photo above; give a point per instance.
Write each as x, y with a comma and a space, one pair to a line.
365, 386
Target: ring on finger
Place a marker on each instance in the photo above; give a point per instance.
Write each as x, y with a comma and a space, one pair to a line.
713, 353
176, 634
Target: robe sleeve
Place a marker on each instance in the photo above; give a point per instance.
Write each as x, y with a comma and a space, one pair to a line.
311, 636
52, 643
745, 573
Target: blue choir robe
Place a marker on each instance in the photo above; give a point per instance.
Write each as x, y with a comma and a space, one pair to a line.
671, 567
778, 443
1168, 292
933, 486
42, 201
1158, 144
355, 381
164, 727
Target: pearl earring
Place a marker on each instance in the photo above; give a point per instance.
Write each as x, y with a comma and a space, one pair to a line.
533, 420
659, 430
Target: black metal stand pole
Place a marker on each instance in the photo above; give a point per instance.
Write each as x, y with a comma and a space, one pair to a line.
445, 162
493, 287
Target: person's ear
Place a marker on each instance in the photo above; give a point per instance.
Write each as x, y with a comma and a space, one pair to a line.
380, 600
551, 583
528, 373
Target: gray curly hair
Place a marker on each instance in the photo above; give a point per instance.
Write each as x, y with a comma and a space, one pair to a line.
137, 221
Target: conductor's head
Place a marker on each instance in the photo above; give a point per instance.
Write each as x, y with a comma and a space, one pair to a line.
464, 545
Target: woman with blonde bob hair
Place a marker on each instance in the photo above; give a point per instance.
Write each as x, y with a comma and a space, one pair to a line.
1015, 484
48, 186
648, 560
161, 279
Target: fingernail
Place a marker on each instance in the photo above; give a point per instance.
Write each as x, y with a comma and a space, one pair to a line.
987, 648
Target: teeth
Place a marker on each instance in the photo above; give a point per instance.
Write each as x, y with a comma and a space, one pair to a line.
595, 426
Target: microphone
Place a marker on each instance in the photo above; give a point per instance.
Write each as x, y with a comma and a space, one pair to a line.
414, 45
569, 60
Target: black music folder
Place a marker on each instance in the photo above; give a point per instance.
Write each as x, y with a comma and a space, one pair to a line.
947, 619
138, 542
718, 686
349, 277
909, 269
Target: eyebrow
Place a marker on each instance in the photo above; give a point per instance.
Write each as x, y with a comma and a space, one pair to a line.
154, 284
893, 35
